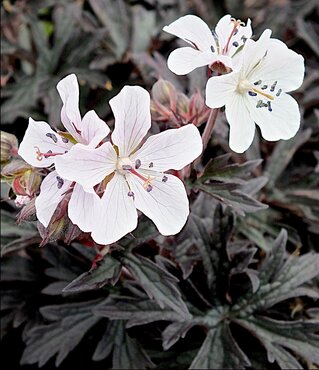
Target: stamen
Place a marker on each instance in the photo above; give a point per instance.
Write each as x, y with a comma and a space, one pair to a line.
244, 38
52, 136
147, 181
126, 167
273, 86
269, 106
251, 93
268, 96
151, 165
40, 155
237, 23
264, 87
164, 179
279, 92
258, 82
65, 140
212, 49
60, 182
259, 104
149, 188
235, 43
138, 163
131, 194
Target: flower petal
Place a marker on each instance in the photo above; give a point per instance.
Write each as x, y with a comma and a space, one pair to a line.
170, 150
52, 191
117, 215
94, 130
224, 30
83, 208
282, 65
131, 108
87, 166
40, 137
166, 204
220, 89
68, 89
184, 60
242, 126
193, 30
282, 122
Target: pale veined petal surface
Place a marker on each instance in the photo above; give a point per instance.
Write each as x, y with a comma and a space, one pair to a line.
87, 166
52, 191
117, 213
219, 89
166, 204
170, 150
40, 138
94, 130
131, 108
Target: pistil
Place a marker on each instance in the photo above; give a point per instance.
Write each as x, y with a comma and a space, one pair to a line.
41, 155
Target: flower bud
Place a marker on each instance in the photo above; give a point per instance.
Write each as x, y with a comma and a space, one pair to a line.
163, 92
27, 184
28, 212
14, 168
9, 146
182, 105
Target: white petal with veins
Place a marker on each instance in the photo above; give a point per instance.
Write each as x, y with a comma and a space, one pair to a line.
52, 191
166, 204
171, 149
117, 214
87, 166
94, 130
39, 137
131, 108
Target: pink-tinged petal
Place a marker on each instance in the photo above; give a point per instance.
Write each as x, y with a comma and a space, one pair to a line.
226, 35
87, 166
83, 208
282, 65
40, 138
282, 122
118, 215
184, 60
68, 89
170, 150
193, 30
131, 108
220, 89
166, 204
52, 191
94, 130
242, 126
254, 52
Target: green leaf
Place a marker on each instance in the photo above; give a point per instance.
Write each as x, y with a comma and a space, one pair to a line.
220, 351
107, 271
71, 322
15, 237
136, 311
157, 282
127, 352
275, 335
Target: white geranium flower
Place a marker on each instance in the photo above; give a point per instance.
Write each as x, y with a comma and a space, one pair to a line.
134, 177
257, 93
213, 48
41, 146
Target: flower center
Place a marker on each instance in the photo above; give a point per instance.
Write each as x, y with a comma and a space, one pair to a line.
266, 93
124, 165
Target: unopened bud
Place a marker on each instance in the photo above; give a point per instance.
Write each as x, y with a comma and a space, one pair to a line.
28, 183
182, 105
28, 212
164, 92
9, 146
15, 168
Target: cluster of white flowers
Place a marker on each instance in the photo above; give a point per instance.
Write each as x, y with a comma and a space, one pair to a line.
259, 74
108, 180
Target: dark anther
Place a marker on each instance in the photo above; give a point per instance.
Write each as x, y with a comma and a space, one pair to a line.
235, 43
60, 182
164, 179
258, 82
137, 164
52, 136
273, 86
65, 140
151, 165
251, 93
278, 92
264, 87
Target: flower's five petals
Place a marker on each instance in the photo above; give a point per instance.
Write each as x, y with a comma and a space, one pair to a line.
117, 213
83, 208
52, 191
166, 205
193, 30
94, 130
170, 150
131, 108
87, 166
68, 89
41, 143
